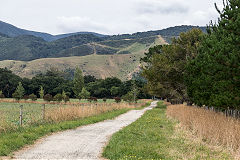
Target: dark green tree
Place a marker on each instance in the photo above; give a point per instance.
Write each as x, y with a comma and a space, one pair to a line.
164, 66
19, 92
78, 82
213, 77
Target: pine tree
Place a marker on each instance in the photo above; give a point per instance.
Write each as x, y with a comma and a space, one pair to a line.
19, 92
213, 76
41, 92
84, 94
78, 82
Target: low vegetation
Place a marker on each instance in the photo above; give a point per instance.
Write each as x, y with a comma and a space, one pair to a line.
57, 118
154, 136
211, 127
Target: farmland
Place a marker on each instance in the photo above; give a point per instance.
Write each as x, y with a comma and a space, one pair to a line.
54, 111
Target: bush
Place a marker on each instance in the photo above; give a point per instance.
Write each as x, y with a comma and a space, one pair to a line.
33, 97
92, 99
48, 97
117, 99
66, 99
25, 97
1, 95
104, 99
58, 97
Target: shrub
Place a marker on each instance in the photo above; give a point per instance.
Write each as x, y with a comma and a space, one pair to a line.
92, 99
25, 97
66, 99
1, 95
117, 99
48, 97
33, 97
58, 97
104, 99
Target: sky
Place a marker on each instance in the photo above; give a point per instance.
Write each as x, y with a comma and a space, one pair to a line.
106, 16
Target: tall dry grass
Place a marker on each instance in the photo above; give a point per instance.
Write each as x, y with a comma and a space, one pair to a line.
80, 111
212, 127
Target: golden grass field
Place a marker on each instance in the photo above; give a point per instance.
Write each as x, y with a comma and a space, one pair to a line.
54, 111
211, 127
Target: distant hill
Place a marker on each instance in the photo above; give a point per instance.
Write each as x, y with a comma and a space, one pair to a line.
13, 31
28, 53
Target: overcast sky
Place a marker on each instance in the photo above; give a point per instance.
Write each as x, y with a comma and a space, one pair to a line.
106, 16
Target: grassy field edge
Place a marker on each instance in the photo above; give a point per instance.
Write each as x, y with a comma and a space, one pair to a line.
155, 136
13, 141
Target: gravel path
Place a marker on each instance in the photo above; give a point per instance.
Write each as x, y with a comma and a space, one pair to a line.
82, 143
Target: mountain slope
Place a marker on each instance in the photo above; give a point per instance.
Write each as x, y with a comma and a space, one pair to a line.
13, 31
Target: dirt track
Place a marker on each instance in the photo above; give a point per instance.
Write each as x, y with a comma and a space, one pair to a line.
82, 143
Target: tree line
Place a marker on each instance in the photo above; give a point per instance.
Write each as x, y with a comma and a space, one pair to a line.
56, 85
197, 67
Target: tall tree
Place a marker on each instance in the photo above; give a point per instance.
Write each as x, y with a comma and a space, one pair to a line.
41, 92
213, 77
165, 65
19, 92
78, 82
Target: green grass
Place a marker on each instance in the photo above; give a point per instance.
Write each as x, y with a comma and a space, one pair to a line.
13, 141
154, 136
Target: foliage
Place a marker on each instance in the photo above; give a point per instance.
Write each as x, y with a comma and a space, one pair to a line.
212, 78
84, 94
25, 97
117, 99
19, 92
48, 97
8, 82
165, 65
33, 97
78, 82
1, 94
58, 97
41, 92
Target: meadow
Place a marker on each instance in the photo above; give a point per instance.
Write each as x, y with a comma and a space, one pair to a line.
32, 111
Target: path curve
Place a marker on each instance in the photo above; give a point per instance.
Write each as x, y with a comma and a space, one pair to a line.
85, 142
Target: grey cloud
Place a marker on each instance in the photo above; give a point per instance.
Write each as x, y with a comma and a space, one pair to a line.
162, 8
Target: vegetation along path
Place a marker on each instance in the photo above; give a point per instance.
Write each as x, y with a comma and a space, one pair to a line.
81, 143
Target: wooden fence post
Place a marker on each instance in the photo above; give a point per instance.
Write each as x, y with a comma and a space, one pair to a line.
21, 115
43, 111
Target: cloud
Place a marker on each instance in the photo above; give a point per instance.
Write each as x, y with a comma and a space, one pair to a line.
77, 23
161, 7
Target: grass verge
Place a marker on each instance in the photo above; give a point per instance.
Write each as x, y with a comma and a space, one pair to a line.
10, 142
154, 136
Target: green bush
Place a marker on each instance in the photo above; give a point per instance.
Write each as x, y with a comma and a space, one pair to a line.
58, 97
33, 97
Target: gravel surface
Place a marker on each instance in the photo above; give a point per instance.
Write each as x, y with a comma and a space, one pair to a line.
84, 142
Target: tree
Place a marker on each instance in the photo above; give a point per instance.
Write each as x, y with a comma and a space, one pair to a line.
19, 92
164, 66
78, 82
58, 97
41, 92
213, 77
115, 91
84, 94
1, 94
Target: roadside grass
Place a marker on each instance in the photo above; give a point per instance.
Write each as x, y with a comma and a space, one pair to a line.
10, 142
13, 140
154, 136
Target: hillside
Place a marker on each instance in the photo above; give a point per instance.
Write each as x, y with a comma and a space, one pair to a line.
101, 66
95, 54
13, 31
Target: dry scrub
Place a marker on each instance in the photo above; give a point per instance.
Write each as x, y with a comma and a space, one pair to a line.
210, 126
79, 111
